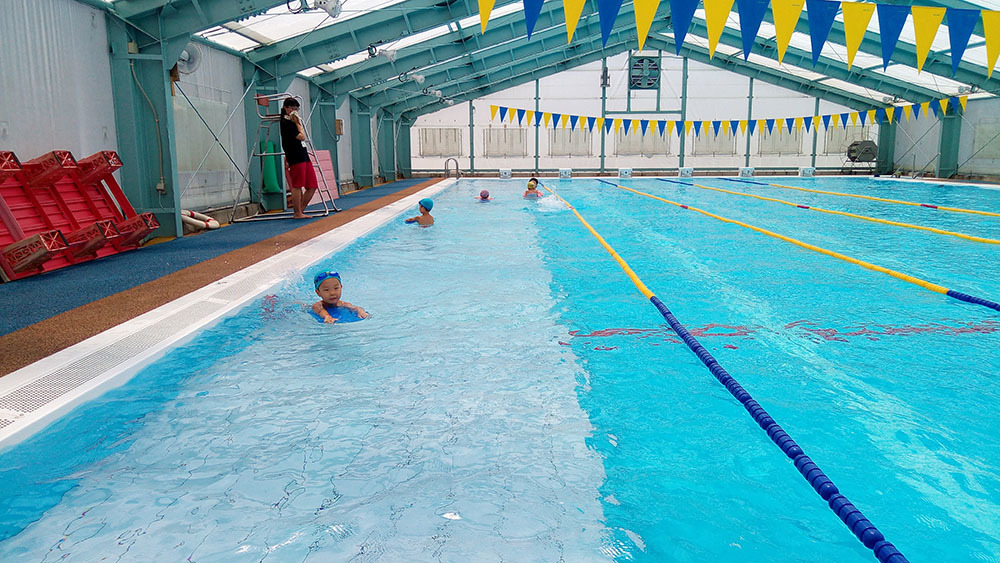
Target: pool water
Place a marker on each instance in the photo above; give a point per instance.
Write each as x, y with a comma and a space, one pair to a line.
514, 398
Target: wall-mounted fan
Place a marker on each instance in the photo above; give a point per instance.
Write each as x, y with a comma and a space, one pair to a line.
190, 59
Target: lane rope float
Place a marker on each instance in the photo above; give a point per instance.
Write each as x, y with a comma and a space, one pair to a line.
869, 197
898, 275
860, 526
846, 214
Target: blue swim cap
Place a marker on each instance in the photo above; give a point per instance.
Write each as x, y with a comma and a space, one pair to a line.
323, 276
427, 203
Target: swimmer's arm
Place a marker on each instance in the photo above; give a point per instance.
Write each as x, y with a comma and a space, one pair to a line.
359, 311
412, 219
323, 313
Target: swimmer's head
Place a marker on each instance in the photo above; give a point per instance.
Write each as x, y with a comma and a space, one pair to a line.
328, 286
427, 204
485, 194
532, 183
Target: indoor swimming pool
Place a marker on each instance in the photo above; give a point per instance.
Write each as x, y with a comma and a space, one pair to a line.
515, 398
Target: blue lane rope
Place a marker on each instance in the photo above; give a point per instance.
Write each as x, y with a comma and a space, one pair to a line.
854, 519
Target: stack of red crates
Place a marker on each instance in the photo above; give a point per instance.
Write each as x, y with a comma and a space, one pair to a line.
56, 211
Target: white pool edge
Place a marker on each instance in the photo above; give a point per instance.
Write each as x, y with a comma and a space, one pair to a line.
36, 395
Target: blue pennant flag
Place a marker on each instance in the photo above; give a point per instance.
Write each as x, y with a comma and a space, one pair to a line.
503, 114
960, 26
532, 8
538, 118
915, 110
821, 14
679, 129
862, 117
734, 126
790, 122
752, 126
936, 108
715, 127
643, 125
697, 128
956, 103
880, 115
770, 125
826, 122
661, 125
890, 23
807, 121
555, 120
897, 114
590, 123
608, 124
572, 121
681, 13
751, 14
626, 125
520, 116
607, 11
844, 118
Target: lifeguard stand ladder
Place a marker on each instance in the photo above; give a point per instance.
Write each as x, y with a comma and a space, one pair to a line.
268, 120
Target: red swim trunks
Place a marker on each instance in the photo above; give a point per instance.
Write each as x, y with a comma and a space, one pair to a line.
302, 175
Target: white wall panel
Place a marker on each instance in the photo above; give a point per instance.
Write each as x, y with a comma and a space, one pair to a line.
55, 79
979, 150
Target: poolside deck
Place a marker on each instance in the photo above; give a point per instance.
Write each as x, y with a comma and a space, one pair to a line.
42, 315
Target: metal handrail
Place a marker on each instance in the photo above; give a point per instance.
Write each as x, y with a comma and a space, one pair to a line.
458, 171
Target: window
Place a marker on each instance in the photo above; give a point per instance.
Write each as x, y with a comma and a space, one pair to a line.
566, 142
443, 141
708, 143
839, 138
637, 144
505, 141
780, 142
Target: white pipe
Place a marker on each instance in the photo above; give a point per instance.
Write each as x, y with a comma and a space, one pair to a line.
198, 220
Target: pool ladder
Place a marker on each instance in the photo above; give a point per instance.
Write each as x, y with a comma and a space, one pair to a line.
458, 171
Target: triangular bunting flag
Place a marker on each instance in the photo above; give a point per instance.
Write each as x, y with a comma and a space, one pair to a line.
761, 124
862, 117
628, 125
572, 10
733, 125
716, 14
635, 125
944, 105
960, 26
798, 124
503, 114
743, 126
644, 124
555, 120
563, 120
670, 128
770, 125
856, 18
697, 128
750, 124
956, 103
751, 14
618, 125
845, 116
826, 122
572, 121
607, 11
879, 115
705, 125
681, 12
835, 119
907, 111
520, 116
925, 107
786, 15
934, 109
991, 31
493, 111
890, 113
926, 21
821, 15
854, 119
645, 11
607, 124
871, 116
715, 127
529, 115
890, 23
789, 123
963, 100
538, 118
590, 123
485, 8
661, 125
546, 117
687, 127
816, 121
725, 127
532, 8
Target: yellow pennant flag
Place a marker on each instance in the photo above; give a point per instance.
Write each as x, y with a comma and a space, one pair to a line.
493, 111
743, 126
645, 11
925, 107
687, 127
572, 9
564, 120
871, 117
944, 105
635, 125
485, 8
963, 100
528, 115
856, 19
725, 127
798, 124
926, 21
890, 112
854, 119
907, 110
546, 117
786, 17
991, 31
618, 124
761, 126
816, 121
670, 128
599, 124
705, 126
716, 14
835, 120
511, 115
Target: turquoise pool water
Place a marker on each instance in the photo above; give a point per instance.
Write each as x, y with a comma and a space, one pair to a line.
515, 398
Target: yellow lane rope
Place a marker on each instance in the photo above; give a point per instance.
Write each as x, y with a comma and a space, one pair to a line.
898, 275
862, 217
873, 198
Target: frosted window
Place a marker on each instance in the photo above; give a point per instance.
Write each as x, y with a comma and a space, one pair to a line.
839, 138
781, 142
566, 142
637, 144
708, 143
440, 141
506, 141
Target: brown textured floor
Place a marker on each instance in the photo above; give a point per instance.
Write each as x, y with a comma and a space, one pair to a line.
32, 343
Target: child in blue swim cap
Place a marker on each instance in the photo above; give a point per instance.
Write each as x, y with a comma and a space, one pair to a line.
424, 219
329, 289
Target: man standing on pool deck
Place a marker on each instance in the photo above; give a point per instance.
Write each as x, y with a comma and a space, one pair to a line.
300, 173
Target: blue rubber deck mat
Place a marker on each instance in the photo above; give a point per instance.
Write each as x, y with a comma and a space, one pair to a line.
31, 300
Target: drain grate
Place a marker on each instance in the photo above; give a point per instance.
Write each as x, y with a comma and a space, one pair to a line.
4, 422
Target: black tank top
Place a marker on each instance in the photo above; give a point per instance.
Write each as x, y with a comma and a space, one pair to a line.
295, 150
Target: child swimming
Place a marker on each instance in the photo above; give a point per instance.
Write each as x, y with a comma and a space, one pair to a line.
424, 219
484, 196
532, 191
329, 289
